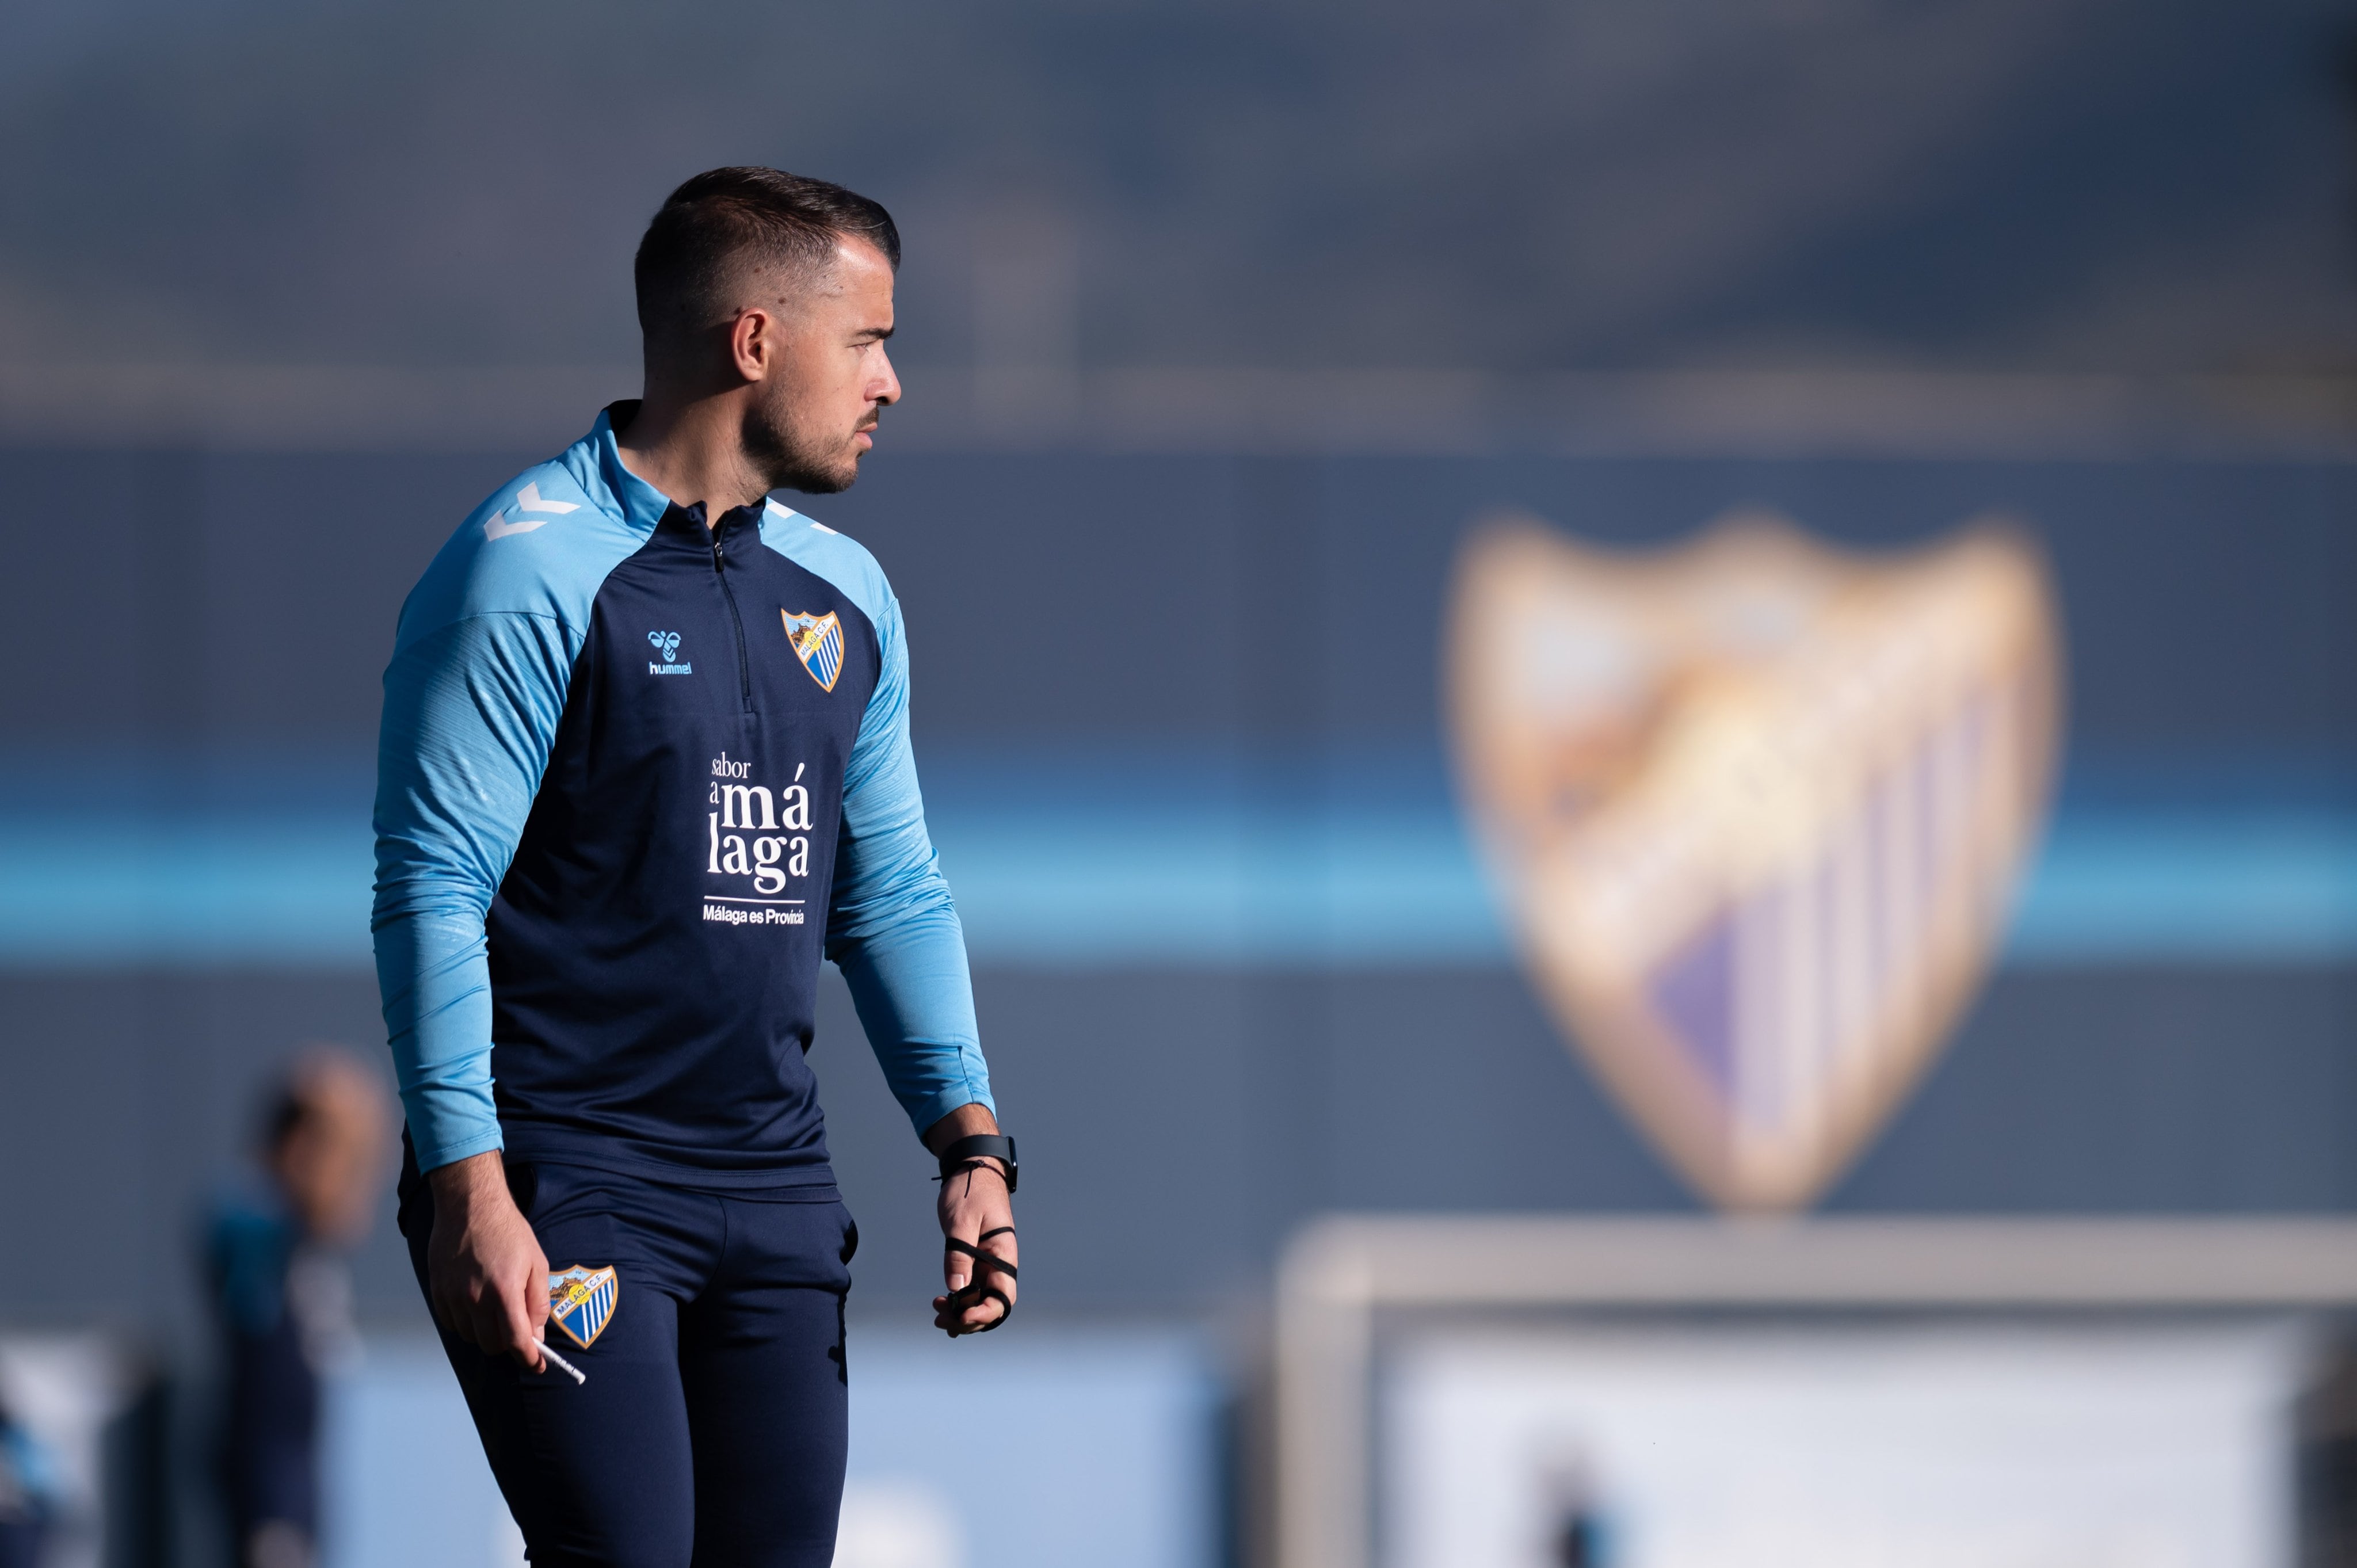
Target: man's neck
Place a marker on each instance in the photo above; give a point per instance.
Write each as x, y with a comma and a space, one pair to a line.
693, 449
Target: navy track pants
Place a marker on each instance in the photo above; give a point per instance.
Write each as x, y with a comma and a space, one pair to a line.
712, 1429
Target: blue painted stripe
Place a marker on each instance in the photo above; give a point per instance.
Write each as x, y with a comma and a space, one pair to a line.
1061, 866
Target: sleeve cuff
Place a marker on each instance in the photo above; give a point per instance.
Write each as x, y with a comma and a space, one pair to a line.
448, 1144
923, 1113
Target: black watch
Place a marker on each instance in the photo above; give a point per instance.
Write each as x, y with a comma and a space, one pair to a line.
981, 1146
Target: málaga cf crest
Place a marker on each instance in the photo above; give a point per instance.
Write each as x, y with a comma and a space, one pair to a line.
818, 643
581, 1301
1757, 810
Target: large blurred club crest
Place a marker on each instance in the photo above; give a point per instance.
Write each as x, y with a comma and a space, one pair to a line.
1756, 810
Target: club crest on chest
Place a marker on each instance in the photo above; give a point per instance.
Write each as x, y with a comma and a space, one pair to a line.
581, 1302
817, 641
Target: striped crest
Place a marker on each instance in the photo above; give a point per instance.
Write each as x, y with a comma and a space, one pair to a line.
581, 1302
818, 643
1756, 811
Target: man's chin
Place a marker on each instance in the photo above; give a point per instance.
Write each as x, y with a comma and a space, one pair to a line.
833, 482
813, 481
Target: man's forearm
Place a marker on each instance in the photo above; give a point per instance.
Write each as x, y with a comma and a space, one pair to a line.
460, 1185
962, 1122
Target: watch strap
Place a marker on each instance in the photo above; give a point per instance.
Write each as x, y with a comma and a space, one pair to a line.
981, 1146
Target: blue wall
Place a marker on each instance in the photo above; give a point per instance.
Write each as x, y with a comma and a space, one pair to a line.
1173, 712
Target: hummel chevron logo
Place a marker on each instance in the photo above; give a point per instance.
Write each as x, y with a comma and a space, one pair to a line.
527, 499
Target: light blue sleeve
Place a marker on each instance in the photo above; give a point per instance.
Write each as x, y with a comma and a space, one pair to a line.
470, 715
892, 927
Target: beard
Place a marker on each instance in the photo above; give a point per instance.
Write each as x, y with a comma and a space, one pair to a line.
791, 458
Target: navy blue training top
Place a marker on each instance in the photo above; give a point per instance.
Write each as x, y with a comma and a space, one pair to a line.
636, 778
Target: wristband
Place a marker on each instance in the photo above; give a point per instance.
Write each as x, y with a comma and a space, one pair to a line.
981, 1146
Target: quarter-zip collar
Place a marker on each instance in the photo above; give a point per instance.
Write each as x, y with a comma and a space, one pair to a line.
682, 527
647, 508
641, 505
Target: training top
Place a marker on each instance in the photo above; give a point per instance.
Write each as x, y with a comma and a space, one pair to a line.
635, 777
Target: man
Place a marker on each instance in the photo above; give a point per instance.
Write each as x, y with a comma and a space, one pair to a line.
284, 1296
645, 758
28, 1482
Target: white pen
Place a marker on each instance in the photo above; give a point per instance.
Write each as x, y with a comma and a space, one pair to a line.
561, 1364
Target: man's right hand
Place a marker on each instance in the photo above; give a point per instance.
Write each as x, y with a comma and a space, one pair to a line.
488, 1276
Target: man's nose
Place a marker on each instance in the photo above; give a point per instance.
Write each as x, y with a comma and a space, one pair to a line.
886, 387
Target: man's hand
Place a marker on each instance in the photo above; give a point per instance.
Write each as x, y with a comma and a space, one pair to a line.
489, 1278
974, 1206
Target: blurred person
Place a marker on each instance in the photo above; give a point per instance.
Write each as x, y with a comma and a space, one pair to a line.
1576, 1536
27, 1493
645, 762
285, 1299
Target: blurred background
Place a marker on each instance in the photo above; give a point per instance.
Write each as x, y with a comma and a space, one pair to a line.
1220, 326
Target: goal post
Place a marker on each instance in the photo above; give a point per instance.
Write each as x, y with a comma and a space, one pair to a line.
1343, 1279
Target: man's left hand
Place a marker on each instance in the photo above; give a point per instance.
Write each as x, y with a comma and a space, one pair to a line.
978, 1253
975, 1212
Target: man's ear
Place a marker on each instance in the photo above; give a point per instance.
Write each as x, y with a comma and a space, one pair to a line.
753, 344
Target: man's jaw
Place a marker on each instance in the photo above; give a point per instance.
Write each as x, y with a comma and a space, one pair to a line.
792, 465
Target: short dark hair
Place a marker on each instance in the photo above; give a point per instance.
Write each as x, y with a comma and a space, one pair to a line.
691, 249
289, 1111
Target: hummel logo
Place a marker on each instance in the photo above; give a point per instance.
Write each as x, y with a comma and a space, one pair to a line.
527, 499
666, 647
